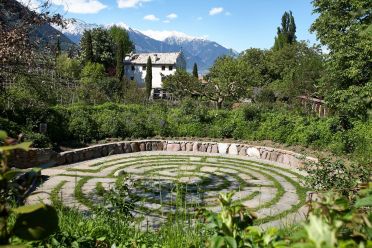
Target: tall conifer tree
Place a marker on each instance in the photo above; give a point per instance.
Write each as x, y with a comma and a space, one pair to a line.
148, 78
195, 71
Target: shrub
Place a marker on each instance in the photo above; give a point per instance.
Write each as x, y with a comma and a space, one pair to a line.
38, 140
110, 123
9, 126
327, 175
58, 121
82, 125
266, 96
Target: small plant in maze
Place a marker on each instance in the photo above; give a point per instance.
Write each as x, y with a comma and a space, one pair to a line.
32, 222
234, 227
119, 200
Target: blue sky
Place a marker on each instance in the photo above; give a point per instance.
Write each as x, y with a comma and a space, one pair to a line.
237, 24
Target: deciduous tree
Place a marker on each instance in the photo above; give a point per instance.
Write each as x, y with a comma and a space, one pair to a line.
345, 28
287, 32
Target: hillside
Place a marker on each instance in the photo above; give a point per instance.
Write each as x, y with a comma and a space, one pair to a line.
196, 50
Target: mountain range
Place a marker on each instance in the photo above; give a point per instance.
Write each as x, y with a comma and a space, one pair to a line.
201, 51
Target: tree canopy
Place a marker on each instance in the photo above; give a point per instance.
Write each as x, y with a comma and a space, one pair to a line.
345, 28
287, 32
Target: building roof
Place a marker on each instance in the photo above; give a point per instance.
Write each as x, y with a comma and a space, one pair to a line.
156, 58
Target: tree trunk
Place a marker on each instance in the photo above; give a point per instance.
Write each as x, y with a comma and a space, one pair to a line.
219, 103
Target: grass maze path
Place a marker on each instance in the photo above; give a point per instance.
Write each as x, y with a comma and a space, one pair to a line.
169, 183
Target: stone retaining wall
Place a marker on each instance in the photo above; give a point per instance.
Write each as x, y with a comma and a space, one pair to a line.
272, 154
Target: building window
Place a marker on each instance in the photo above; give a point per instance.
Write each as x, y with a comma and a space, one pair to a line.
171, 68
163, 68
133, 68
144, 68
132, 78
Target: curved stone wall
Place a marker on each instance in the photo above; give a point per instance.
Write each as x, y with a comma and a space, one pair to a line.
47, 157
272, 154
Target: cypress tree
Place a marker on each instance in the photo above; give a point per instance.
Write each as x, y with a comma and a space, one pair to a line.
148, 78
87, 46
195, 71
119, 60
58, 47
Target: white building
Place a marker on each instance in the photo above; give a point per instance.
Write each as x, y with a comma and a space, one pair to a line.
163, 64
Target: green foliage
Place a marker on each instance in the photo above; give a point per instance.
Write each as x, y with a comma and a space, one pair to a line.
226, 81
266, 96
98, 47
123, 45
287, 32
256, 66
354, 102
336, 222
343, 28
182, 85
29, 221
327, 175
148, 78
195, 71
68, 67
92, 73
87, 46
295, 69
38, 140
233, 227
81, 124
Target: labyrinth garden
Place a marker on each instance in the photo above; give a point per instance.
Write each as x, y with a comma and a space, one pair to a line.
172, 184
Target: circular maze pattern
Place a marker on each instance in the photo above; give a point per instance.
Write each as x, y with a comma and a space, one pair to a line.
167, 183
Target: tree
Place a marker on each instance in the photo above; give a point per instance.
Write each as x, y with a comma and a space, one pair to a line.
195, 71
256, 66
68, 67
148, 78
344, 27
87, 46
97, 46
182, 84
58, 47
295, 70
92, 73
123, 45
226, 81
287, 32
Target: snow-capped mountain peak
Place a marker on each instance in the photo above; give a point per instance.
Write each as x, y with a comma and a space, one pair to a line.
196, 49
76, 27
170, 35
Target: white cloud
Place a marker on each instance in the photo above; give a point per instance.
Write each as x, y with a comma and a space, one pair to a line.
151, 18
131, 3
216, 11
80, 6
162, 35
172, 16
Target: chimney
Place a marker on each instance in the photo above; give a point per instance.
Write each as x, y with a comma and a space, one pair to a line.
156, 57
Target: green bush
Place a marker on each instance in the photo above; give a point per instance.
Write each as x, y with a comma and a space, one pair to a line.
10, 127
266, 96
81, 125
38, 140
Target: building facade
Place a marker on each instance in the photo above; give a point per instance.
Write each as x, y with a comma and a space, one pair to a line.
163, 64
